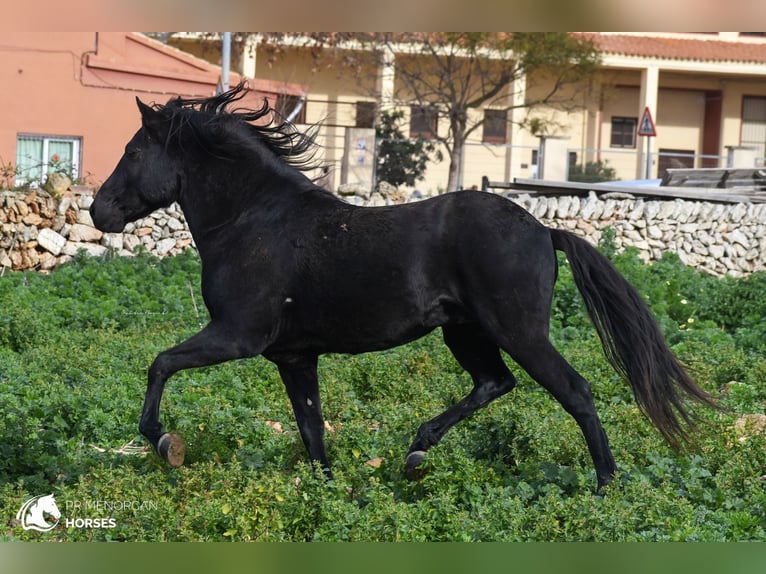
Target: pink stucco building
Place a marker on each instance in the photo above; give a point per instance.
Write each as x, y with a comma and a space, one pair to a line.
68, 98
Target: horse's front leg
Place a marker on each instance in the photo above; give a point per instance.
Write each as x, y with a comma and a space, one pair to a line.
299, 374
215, 344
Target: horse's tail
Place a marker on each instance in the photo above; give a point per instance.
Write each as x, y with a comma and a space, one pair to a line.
632, 340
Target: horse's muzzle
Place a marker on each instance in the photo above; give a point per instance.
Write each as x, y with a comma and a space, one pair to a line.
106, 218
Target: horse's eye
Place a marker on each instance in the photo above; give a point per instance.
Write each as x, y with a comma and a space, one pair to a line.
133, 153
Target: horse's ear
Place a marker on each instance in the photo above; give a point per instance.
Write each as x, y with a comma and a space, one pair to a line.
151, 119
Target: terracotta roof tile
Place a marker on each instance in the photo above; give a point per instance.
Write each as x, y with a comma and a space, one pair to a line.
682, 48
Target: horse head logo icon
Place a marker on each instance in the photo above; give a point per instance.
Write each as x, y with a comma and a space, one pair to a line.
32, 513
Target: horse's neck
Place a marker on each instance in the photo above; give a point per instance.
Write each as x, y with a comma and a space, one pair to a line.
270, 196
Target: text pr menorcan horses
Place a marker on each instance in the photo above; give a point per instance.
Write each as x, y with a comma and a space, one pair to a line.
291, 272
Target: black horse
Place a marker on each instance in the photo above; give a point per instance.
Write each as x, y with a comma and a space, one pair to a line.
290, 272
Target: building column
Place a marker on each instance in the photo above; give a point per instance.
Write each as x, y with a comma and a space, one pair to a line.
386, 77
650, 85
515, 155
247, 59
592, 108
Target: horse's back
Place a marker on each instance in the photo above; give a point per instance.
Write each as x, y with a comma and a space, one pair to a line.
456, 233
468, 218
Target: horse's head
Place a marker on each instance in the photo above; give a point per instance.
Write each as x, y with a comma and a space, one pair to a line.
147, 177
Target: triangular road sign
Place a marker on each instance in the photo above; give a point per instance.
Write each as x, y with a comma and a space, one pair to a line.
646, 127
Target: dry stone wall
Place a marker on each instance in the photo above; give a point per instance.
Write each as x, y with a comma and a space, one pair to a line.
38, 231
719, 238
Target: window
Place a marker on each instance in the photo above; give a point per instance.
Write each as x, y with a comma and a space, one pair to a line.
623, 132
365, 114
37, 156
289, 107
495, 125
423, 122
754, 123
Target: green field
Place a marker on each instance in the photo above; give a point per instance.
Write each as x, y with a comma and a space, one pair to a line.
75, 346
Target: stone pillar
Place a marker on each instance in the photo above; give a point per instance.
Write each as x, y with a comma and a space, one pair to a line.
358, 166
553, 158
740, 156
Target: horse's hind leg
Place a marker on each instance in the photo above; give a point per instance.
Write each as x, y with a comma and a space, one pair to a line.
542, 361
481, 358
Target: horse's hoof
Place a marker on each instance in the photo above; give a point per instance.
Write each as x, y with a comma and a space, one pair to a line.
171, 447
413, 470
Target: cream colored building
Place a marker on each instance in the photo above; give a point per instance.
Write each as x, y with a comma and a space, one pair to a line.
706, 94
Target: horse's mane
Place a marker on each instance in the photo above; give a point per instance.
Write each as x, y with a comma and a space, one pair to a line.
224, 130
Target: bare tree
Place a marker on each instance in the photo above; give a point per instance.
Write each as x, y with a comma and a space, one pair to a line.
450, 74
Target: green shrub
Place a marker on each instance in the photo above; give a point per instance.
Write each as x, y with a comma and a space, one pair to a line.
592, 171
75, 346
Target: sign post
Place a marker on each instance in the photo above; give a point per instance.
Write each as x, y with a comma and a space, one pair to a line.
647, 129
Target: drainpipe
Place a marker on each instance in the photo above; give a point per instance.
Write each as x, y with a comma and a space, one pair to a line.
297, 108
225, 60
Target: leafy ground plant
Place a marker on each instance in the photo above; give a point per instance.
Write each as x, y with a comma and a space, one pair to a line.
75, 346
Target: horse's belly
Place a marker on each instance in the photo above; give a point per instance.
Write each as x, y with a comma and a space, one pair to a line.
374, 327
